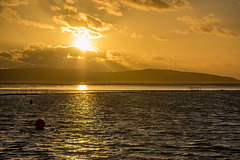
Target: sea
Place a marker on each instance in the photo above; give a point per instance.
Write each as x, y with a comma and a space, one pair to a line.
120, 122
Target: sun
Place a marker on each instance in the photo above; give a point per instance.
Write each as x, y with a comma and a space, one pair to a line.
83, 44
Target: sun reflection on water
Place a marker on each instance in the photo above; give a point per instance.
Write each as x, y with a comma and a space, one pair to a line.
82, 88
82, 131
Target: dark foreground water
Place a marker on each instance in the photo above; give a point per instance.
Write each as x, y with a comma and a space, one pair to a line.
122, 125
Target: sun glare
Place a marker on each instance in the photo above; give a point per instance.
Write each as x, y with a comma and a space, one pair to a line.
83, 44
82, 88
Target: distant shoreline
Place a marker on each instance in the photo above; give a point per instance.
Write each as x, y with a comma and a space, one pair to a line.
118, 83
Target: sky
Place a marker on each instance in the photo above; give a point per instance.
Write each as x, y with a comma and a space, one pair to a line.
116, 35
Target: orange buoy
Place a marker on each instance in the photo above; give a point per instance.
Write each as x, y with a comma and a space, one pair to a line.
39, 124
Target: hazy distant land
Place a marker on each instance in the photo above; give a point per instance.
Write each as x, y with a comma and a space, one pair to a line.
77, 76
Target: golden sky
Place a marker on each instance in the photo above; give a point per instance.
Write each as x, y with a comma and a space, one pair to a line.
114, 35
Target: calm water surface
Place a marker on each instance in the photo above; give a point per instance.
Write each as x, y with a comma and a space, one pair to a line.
122, 125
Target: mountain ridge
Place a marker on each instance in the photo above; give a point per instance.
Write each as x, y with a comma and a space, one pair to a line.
76, 76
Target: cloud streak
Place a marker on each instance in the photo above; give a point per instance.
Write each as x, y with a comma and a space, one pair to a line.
10, 3
115, 7
135, 35
159, 38
206, 25
11, 15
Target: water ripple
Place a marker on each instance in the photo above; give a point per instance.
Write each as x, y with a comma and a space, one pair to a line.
122, 125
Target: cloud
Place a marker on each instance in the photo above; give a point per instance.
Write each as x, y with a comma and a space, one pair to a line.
11, 15
9, 3
70, 1
70, 8
181, 31
159, 38
157, 5
82, 20
55, 8
206, 25
40, 55
78, 23
135, 35
114, 7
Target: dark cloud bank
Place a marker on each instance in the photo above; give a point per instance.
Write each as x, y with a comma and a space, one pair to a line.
40, 55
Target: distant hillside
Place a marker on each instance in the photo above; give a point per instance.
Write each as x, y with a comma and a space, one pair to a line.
76, 76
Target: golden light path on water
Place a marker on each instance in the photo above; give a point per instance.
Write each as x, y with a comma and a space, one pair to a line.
82, 131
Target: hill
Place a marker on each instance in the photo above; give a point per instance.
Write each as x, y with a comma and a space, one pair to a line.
76, 76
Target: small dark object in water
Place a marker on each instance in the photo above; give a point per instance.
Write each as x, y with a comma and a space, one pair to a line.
31, 101
39, 124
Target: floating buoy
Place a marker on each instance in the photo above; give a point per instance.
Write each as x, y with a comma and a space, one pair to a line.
39, 124
31, 101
